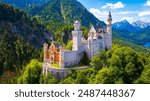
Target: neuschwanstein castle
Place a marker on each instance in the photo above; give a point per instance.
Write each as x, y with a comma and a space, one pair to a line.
98, 39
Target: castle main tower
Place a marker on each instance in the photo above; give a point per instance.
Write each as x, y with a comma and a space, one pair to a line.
109, 32
109, 24
77, 37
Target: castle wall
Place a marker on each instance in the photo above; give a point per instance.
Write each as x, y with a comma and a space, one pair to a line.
93, 47
60, 73
70, 58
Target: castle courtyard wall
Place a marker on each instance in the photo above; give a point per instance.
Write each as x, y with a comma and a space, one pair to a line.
70, 58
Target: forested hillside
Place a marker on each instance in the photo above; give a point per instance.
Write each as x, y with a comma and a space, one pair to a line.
21, 38
19, 23
24, 3
64, 12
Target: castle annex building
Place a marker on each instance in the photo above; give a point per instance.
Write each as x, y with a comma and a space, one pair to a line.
98, 39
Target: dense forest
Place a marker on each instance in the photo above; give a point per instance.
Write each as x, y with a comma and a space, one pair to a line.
21, 39
57, 13
24, 3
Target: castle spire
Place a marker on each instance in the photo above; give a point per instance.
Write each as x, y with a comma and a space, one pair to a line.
109, 17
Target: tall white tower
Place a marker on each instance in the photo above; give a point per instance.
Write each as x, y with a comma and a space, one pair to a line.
109, 24
77, 36
109, 32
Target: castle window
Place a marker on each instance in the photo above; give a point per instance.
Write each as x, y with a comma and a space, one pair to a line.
99, 37
101, 31
57, 50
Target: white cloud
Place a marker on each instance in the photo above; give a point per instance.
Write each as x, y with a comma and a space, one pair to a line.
130, 19
114, 6
144, 13
147, 3
126, 12
98, 13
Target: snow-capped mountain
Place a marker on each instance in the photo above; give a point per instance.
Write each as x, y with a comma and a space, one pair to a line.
141, 24
134, 27
125, 25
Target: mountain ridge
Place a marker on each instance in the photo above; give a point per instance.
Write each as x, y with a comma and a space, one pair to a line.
132, 27
137, 32
24, 3
141, 24
65, 12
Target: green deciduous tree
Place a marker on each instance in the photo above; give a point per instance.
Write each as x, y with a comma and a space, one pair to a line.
48, 79
109, 75
31, 73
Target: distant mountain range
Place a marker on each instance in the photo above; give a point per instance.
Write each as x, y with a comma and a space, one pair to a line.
141, 24
137, 32
133, 27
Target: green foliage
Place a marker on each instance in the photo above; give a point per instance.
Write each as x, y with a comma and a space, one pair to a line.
99, 60
57, 13
24, 3
84, 60
14, 53
79, 77
31, 73
55, 65
69, 45
21, 38
136, 47
68, 80
63, 34
17, 22
109, 75
138, 37
145, 76
48, 79
129, 63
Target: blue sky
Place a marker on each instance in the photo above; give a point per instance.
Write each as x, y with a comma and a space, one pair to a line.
131, 10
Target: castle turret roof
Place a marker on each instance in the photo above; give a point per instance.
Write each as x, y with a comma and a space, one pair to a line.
77, 21
109, 16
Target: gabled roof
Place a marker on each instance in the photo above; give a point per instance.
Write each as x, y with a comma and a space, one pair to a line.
92, 30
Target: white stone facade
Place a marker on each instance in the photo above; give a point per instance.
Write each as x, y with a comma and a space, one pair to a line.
98, 39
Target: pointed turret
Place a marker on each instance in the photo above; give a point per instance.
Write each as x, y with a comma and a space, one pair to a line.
109, 17
109, 24
92, 30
